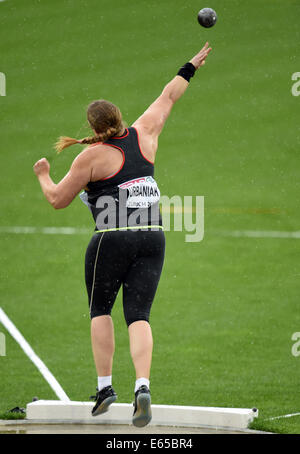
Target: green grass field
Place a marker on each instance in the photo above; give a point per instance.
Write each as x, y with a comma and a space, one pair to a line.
227, 306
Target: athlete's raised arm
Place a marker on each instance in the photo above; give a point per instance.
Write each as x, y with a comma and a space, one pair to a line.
151, 123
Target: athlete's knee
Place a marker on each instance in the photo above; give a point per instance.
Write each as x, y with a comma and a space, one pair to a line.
130, 320
98, 313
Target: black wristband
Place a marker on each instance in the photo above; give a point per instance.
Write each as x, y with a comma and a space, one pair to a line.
187, 71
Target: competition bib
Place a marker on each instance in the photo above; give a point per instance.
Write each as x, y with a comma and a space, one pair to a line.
141, 192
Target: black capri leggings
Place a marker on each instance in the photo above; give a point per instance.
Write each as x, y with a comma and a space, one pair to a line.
131, 258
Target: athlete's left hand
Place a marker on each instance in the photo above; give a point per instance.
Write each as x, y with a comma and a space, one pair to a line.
199, 59
41, 167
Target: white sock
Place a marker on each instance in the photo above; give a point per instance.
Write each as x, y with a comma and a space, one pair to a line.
104, 381
140, 382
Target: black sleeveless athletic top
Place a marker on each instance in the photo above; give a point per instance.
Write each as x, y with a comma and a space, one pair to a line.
130, 197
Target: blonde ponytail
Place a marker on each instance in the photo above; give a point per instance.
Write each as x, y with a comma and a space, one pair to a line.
64, 142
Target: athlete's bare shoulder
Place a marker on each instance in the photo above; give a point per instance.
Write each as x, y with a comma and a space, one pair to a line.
91, 152
102, 159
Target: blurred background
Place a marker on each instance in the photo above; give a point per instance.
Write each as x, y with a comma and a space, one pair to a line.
226, 307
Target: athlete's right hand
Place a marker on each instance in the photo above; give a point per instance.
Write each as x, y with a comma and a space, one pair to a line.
41, 167
199, 59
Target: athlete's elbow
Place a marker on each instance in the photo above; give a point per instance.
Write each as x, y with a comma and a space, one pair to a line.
58, 204
55, 205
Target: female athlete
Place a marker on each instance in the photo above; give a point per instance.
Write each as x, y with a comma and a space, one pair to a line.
116, 173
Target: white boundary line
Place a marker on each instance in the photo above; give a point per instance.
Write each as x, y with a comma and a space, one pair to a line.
46, 230
15, 333
283, 416
259, 233
83, 231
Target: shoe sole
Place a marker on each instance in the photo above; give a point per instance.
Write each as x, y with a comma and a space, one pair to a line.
104, 406
143, 414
